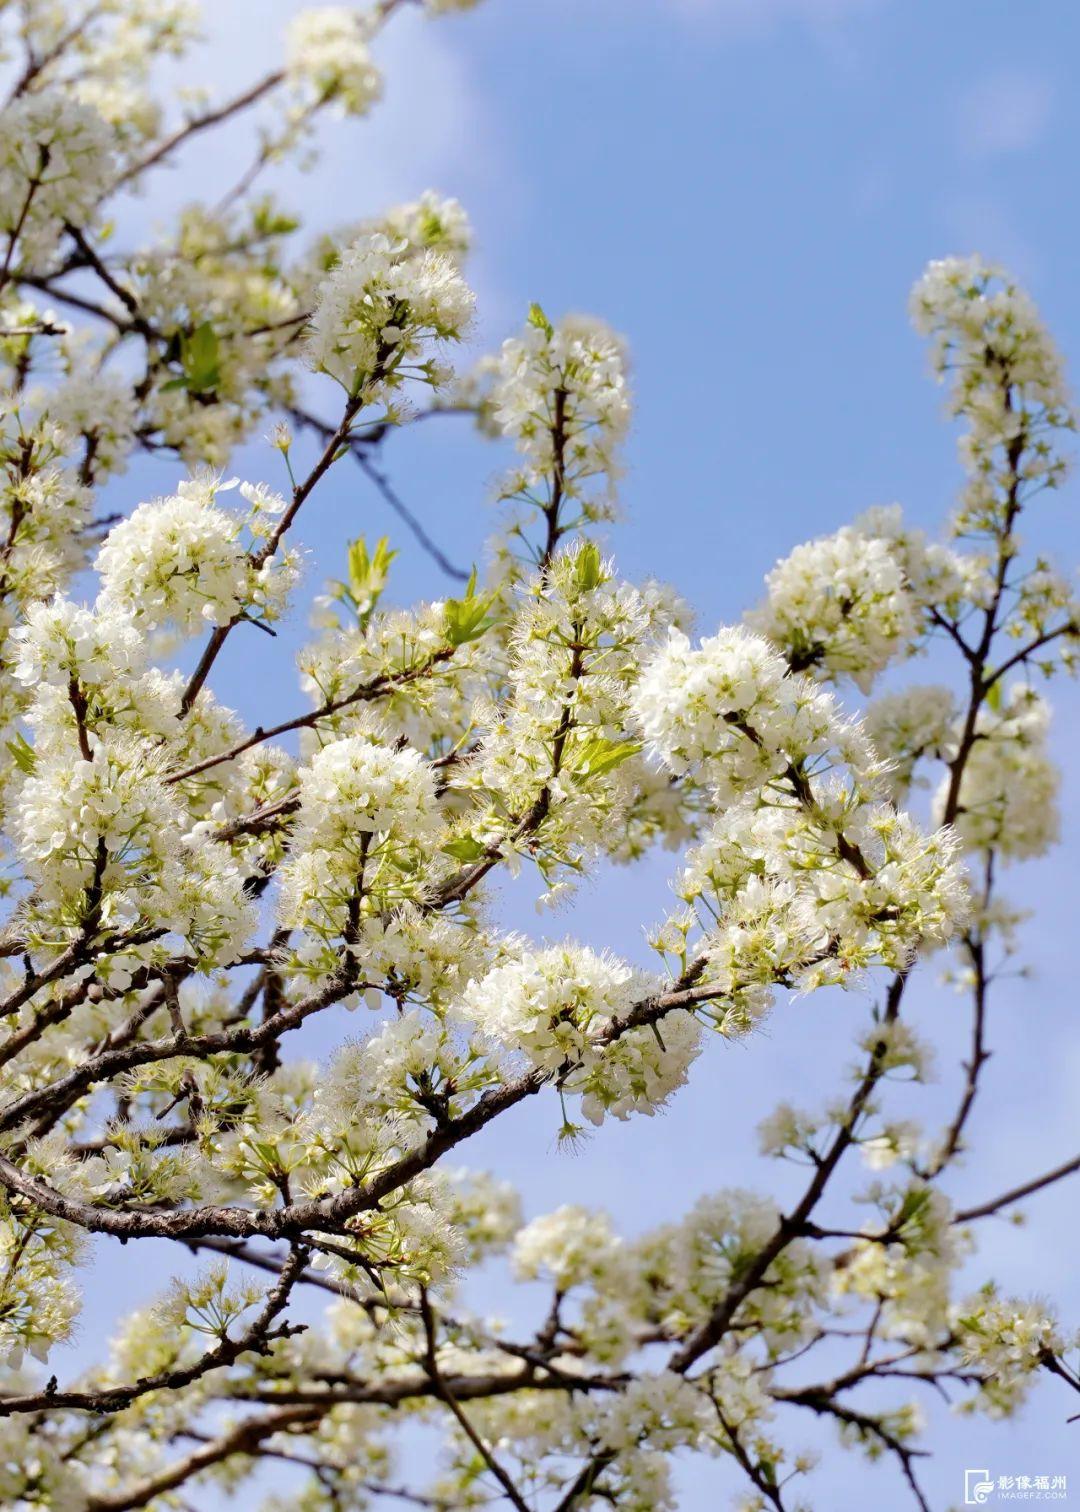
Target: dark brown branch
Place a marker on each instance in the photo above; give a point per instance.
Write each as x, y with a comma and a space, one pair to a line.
199, 124
245, 1438
361, 448
301, 493
1026, 1189
872, 1427
324, 1214
365, 693
976, 949
443, 1391
709, 1333
1069, 628
256, 1338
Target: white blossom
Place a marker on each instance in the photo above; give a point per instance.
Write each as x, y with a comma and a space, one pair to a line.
1007, 382
1008, 795
378, 312
257, 980
181, 561
368, 813
328, 55
731, 708
56, 160
572, 1245
1006, 1340
61, 640
840, 605
100, 409
560, 392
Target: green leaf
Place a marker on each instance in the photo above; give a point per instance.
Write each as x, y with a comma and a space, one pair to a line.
267, 220
589, 570
467, 618
464, 624
596, 755
466, 848
993, 695
913, 1205
22, 754
200, 359
538, 319
368, 572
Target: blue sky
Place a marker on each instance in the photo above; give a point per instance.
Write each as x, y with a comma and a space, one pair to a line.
746, 189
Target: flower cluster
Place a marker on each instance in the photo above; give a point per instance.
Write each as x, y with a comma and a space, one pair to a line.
38, 1304
782, 895
731, 708
104, 843
185, 897
1007, 382
99, 410
328, 57
850, 604
563, 736
673, 1276
572, 1245
839, 604
559, 1007
807, 878
1005, 1340
434, 223
181, 562
368, 814
906, 1264
1008, 795
220, 284
60, 640
56, 160
104, 60
379, 310
905, 728
560, 393
416, 1070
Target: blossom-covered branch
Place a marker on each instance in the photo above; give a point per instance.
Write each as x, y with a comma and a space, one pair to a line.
187, 893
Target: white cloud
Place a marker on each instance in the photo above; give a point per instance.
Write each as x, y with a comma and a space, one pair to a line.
1002, 113
432, 130
763, 15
